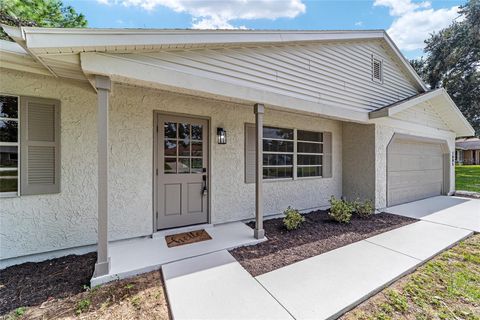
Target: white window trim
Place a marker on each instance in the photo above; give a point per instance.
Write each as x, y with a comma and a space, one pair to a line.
12, 194
294, 165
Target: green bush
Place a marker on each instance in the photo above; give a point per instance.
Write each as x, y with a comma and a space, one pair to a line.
341, 210
364, 209
293, 219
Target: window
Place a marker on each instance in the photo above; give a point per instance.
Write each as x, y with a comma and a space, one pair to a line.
309, 153
277, 153
9, 136
377, 70
291, 153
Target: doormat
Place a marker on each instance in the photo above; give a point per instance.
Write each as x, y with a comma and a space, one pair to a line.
180, 239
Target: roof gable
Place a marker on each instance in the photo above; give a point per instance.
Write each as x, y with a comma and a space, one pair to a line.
331, 73
54, 41
434, 109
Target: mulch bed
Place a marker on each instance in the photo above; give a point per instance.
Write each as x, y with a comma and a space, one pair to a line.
29, 284
317, 235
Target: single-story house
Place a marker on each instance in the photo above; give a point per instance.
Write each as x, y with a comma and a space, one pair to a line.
110, 134
467, 151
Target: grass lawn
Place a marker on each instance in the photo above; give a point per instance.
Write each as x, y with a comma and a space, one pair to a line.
447, 287
467, 178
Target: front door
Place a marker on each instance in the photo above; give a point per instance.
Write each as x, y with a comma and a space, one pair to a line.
182, 195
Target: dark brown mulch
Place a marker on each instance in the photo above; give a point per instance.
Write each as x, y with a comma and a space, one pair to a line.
317, 235
29, 284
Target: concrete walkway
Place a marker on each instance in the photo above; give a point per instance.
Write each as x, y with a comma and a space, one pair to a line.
215, 286
452, 211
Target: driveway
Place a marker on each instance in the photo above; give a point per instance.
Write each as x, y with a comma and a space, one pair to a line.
451, 211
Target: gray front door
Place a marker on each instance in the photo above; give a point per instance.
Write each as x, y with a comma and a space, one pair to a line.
182, 197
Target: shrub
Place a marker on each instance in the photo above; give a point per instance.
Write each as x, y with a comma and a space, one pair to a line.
341, 210
293, 219
364, 209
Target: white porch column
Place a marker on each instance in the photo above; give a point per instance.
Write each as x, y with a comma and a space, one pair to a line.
103, 85
259, 233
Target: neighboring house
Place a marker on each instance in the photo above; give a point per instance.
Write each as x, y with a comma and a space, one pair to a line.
467, 151
143, 130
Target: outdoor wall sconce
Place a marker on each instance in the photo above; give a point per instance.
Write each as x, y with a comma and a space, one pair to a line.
221, 136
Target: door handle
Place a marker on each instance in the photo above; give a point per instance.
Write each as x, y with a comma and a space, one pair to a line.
204, 189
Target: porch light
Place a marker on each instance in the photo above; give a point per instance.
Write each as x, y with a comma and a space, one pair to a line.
221, 136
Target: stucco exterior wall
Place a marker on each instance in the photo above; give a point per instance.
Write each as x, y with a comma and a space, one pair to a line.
358, 161
32, 224
384, 131
35, 224
232, 199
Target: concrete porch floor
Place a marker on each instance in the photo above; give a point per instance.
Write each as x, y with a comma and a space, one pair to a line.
131, 257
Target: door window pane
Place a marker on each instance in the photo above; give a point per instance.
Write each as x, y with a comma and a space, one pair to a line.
170, 130
170, 148
197, 132
183, 131
184, 165
8, 131
184, 148
197, 166
196, 149
170, 165
8, 107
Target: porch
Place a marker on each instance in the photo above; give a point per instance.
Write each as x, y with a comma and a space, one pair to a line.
135, 256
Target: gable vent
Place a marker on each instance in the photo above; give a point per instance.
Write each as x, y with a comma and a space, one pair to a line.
377, 70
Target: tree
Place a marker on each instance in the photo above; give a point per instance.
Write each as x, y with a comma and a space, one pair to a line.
40, 13
453, 62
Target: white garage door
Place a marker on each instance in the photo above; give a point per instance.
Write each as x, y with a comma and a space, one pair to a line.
414, 170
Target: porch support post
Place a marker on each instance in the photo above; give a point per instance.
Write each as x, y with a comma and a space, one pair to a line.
259, 233
103, 86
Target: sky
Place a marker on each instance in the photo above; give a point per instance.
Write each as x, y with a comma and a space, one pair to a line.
408, 22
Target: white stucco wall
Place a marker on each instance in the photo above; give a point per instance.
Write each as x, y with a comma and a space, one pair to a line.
35, 224
32, 224
384, 131
232, 199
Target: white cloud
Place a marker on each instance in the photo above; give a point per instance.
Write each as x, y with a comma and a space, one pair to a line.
218, 14
359, 23
414, 21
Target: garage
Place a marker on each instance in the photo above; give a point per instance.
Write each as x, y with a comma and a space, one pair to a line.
415, 169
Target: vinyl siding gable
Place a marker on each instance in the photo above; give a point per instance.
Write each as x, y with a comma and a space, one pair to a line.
331, 73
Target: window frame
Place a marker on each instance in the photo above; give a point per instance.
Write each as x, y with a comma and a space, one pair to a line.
294, 154
10, 194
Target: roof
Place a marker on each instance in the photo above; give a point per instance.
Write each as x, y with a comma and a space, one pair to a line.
468, 144
443, 104
57, 41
